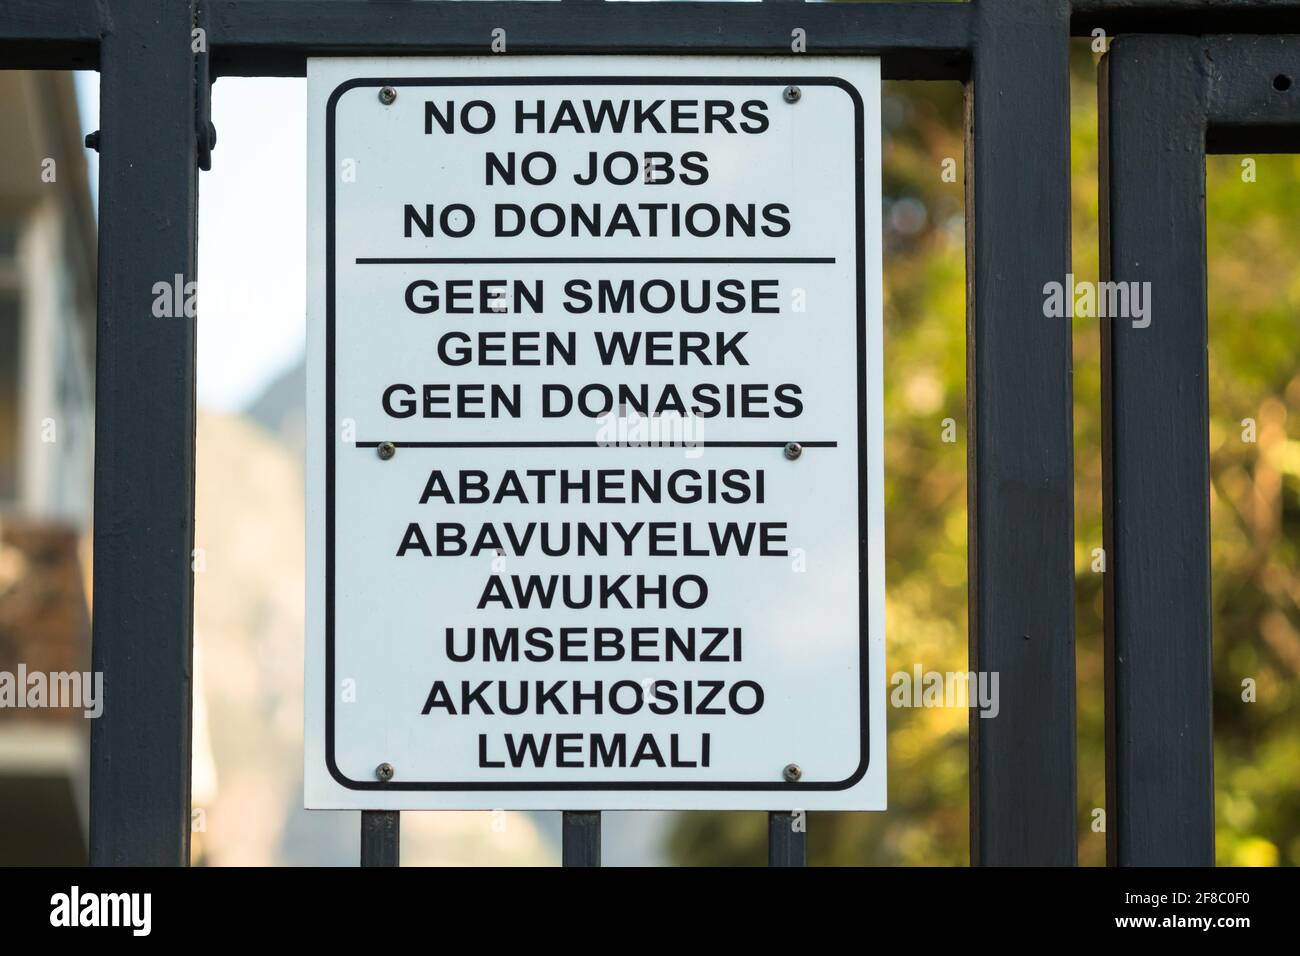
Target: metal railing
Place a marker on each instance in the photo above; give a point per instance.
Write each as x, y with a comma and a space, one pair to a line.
1167, 99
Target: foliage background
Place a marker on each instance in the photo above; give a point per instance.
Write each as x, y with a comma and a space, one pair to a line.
1254, 504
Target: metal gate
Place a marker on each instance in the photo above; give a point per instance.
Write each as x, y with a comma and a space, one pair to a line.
1205, 76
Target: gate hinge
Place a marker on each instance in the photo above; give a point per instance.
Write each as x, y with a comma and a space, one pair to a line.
205, 133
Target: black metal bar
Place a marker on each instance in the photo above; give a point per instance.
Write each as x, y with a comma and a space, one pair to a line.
1020, 479
51, 34
787, 838
1253, 101
917, 43
581, 838
144, 439
1160, 767
381, 838
1190, 17
275, 37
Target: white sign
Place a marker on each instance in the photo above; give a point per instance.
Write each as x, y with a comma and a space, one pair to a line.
595, 517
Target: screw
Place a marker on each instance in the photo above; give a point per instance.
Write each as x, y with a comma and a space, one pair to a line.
792, 94
793, 450
385, 772
386, 95
386, 450
792, 772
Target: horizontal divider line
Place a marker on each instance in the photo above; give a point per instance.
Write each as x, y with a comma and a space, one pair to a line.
595, 444
580, 260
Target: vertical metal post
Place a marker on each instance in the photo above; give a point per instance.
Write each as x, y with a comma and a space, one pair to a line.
581, 838
1020, 475
786, 846
381, 838
144, 438
1160, 765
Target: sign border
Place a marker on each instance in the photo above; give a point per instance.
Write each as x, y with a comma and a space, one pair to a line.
864, 631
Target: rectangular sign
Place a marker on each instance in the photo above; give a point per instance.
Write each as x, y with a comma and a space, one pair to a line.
594, 467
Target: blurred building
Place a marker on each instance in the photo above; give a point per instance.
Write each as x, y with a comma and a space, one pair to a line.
47, 325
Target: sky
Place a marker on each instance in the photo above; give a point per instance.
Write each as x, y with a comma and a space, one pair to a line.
252, 235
